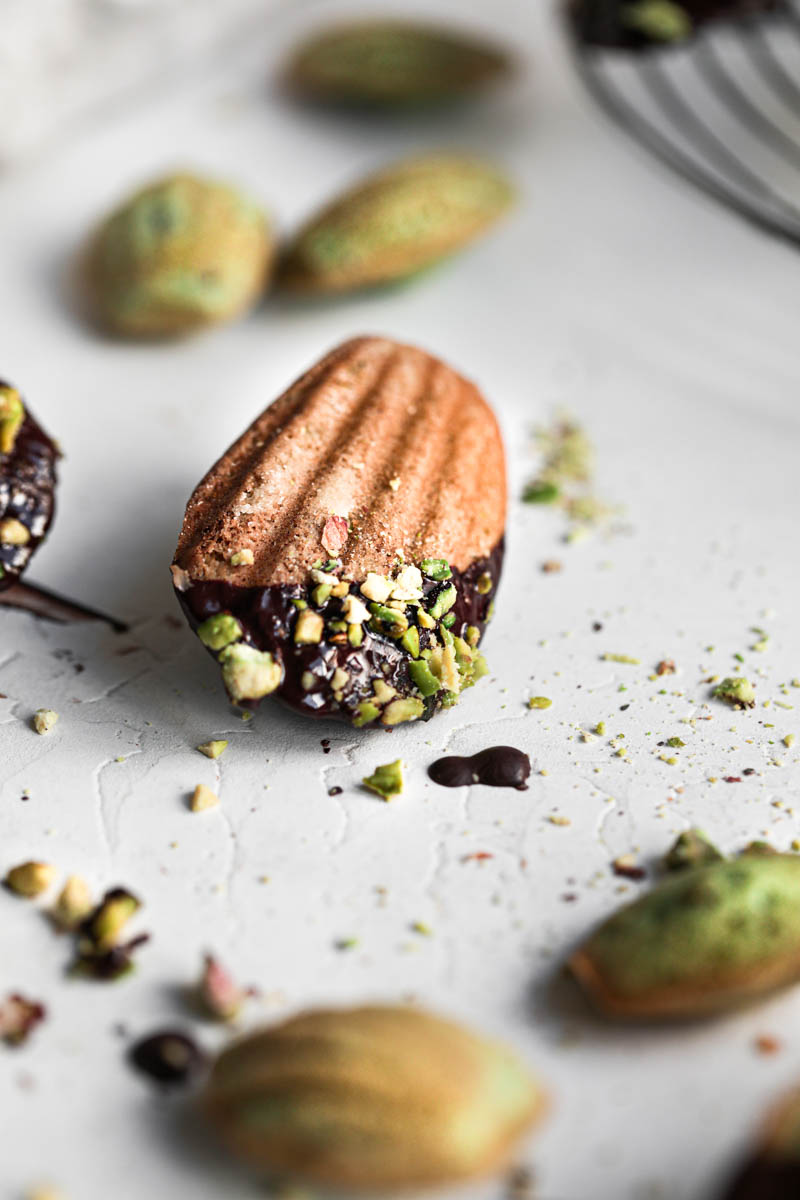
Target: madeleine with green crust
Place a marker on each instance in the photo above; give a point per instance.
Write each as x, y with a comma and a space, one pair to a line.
704, 940
180, 254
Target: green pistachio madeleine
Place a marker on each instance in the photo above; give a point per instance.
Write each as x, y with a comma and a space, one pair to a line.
395, 224
705, 939
392, 64
371, 1098
180, 254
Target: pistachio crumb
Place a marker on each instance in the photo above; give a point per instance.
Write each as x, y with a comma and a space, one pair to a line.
242, 558
203, 798
30, 879
539, 702
622, 658
44, 719
387, 780
212, 749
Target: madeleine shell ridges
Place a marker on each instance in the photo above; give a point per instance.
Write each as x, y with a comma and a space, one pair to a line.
370, 411
371, 1098
703, 940
181, 253
395, 223
393, 63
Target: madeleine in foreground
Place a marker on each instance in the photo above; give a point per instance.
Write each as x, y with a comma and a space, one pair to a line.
372, 1098
345, 552
704, 940
179, 254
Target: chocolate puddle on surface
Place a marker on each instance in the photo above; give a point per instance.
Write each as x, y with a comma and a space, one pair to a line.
497, 766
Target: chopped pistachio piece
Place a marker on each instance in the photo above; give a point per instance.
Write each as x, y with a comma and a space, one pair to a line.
321, 593
73, 904
213, 749
675, 743
217, 992
443, 602
355, 635
473, 635
410, 641
736, 691
14, 533
789, 740
242, 558
249, 674
376, 587
44, 719
425, 621
110, 918
622, 658
386, 781
423, 678
408, 584
388, 620
436, 568
539, 702
203, 798
399, 711
382, 691
12, 415
444, 666
308, 628
541, 491
219, 631
367, 713
660, 20
485, 584
339, 679
30, 879
354, 610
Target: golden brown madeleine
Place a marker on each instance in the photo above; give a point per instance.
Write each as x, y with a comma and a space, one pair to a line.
395, 224
391, 64
703, 940
372, 1098
180, 254
345, 551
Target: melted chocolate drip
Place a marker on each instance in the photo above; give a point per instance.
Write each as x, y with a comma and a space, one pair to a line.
27, 493
266, 615
499, 766
603, 23
169, 1057
767, 1179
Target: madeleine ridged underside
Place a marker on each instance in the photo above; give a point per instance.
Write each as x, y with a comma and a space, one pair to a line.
376, 1097
385, 436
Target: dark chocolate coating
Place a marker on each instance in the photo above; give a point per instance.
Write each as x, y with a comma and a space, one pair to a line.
27, 493
169, 1057
497, 766
601, 22
267, 615
767, 1179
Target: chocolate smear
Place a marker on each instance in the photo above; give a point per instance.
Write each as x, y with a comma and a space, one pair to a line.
497, 766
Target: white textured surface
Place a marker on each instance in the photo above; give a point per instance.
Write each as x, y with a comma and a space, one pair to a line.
670, 330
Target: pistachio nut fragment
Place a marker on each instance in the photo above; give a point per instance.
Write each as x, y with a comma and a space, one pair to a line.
220, 997
247, 673
30, 879
386, 781
12, 414
388, 64
395, 223
213, 749
14, 533
703, 940
106, 923
73, 904
44, 719
736, 691
691, 849
203, 798
372, 1098
219, 631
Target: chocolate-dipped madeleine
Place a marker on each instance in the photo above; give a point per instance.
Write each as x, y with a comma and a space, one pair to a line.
27, 485
344, 553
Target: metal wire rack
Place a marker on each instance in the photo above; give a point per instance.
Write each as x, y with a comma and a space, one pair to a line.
722, 110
